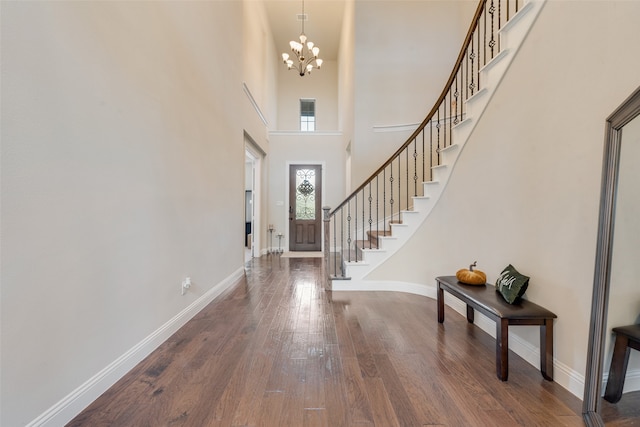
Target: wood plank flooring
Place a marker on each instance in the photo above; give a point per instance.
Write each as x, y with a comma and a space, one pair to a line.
279, 350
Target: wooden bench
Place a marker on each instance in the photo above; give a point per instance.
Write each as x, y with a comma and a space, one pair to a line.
627, 337
486, 300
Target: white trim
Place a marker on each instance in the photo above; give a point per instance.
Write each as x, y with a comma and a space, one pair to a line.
76, 401
410, 127
301, 133
254, 103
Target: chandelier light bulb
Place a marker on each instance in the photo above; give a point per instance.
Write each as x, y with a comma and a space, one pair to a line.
319, 63
285, 56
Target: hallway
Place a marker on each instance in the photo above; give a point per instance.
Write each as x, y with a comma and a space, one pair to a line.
279, 350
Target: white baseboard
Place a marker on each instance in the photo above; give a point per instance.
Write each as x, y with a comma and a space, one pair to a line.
76, 401
384, 286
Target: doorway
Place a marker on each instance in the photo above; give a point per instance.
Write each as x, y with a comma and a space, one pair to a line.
305, 214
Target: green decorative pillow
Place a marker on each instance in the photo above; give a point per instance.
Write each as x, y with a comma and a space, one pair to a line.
511, 284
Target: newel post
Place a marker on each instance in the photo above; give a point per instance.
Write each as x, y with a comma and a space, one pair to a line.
327, 239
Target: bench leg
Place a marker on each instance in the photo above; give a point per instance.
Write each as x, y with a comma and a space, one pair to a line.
440, 304
618, 369
546, 349
502, 349
470, 314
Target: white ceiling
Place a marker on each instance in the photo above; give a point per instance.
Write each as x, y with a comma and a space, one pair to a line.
323, 25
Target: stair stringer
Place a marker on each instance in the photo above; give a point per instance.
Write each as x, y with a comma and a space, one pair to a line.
512, 35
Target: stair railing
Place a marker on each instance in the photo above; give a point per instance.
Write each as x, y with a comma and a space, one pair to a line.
369, 211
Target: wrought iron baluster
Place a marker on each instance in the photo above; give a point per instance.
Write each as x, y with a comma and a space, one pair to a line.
431, 150
355, 229
377, 204
455, 97
438, 145
406, 160
364, 226
335, 245
399, 188
384, 199
391, 190
484, 39
492, 11
478, 63
499, 20
349, 230
444, 129
415, 167
465, 67
472, 57
423, 157
450, 118
370, 218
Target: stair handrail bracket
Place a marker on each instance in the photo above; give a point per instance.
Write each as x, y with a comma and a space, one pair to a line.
376, 213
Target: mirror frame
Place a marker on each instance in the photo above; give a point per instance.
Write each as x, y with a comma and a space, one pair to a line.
626, 112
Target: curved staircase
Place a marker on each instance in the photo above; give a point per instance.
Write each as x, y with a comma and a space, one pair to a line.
384, 212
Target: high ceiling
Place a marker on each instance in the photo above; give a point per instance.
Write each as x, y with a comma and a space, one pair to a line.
323, 25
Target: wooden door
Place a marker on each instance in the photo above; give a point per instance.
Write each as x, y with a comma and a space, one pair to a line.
305, 214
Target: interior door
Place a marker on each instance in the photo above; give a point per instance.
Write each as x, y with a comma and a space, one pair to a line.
305, 214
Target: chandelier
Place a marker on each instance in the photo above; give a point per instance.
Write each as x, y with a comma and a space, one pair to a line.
305, 53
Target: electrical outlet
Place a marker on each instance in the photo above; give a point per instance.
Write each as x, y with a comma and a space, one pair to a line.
186, 284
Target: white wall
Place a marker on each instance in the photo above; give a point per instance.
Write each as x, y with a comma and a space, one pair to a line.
260, 106
346, 91
321, 85
346, 75
122, 173
260, 72
405, 51
526, 188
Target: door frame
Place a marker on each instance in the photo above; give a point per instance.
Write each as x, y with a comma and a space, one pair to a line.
256, 155
323, 169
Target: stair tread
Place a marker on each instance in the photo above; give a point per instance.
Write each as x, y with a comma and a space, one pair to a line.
379, 233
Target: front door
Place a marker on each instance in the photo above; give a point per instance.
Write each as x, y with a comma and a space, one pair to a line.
305, 215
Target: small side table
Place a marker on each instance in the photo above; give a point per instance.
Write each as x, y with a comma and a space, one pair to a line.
627, 338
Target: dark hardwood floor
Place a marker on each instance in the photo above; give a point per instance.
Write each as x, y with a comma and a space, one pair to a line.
279, 350
624, 413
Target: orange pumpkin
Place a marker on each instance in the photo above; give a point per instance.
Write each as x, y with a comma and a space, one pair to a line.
471, 276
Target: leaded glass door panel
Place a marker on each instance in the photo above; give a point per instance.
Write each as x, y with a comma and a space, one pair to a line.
305, 214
